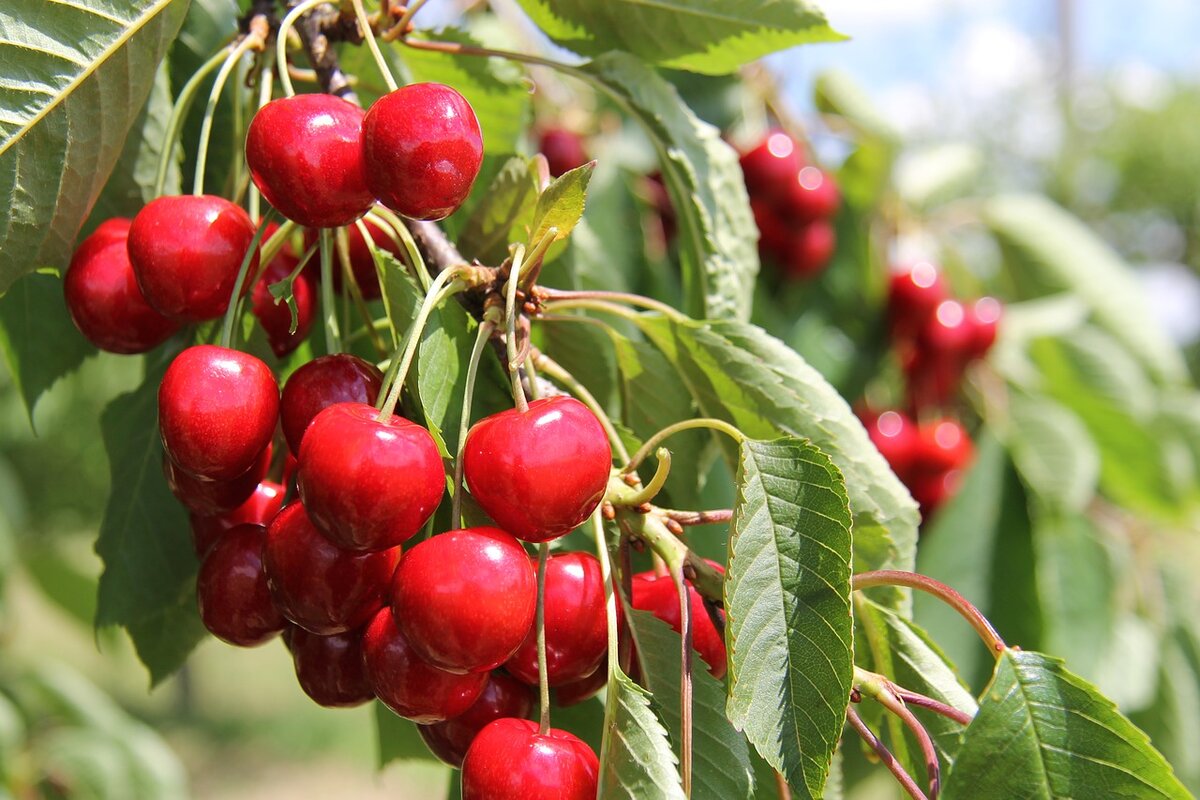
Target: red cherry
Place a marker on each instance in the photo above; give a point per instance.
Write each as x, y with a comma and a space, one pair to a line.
895, 435
305, 155
317, 586
563, 149
103, 297
208, 497
772, 166
510, 760
407, 684
914, 292
502, 697
231, 589
774, 235
217, 411
809, 249
983, 318
330, 668
947, 333
322, 382
422, 149
583, 689
659, 596
368, 484
931, 490
944, 445
472, 616
276, 319
576, 627
540, 473
259, 509
186, 251
811, 194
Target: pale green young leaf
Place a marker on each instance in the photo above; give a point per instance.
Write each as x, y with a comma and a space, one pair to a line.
503, 214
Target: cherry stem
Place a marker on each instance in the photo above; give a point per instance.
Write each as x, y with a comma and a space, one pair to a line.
405, 237
880, 689
281, 36
936, 706
913, 580
905, 780
369, 34
651, 529
610, 597
651, 489
510, 328
333, 335
266, 84
356, 296
556, 372
531, 377
685, 674
564, 298
454, 48
231, 311
409, 12
781, 788
446, 284
251, 40
688, 424
688, 518
274, 244
540, 623
183, 103
464, 423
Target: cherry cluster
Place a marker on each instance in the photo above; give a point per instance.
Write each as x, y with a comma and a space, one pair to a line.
794, 203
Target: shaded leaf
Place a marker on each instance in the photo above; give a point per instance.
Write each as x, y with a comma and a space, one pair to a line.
502, 215
636, 761
1054, 453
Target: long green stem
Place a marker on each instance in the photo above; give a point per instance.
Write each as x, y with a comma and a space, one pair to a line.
651, 489
266, 85
369, 34
214, 96
333, 333
565, 296
510, 329
183, 104
558, 373
685, 674
410, 245
658, 438
231, 311
540, 623
350, 282
895, 767
409, 12
610, 597
651, 529
281, 37
880, 689
464, 423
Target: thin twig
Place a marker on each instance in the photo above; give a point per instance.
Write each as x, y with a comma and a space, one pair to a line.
937, 706
688, 518
905, 780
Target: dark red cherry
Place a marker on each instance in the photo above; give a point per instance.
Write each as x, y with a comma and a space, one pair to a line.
465, 599
367, 484
103, 297
305, 155
208, 497
563, 149
583, 689
983, 318
947, 333
323, 382
259, 509
914, 292
217, 411
809, 249
931, 490
231, 589
774, 235
895, 435
771, 167
276, 318
407, 684
422, 149
330, 668
186, 251
539, 473
576, 627
361, 262
510, 760
503, 696
659, 596
944, 445
811, 195
318, 586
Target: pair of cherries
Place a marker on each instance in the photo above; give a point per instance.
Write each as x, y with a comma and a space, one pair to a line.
794, 203
929, 458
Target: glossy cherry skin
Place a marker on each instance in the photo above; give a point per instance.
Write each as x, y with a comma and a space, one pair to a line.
323, 382
217, 411
510, 760
576, 626
772, 166
103, 297
539, 473
231, 588
658, 596
186, 251
407, 684
809, 249
944, 445
894, 434
422, 149
368, 485
503, 696
914, 292
318, 586
465, 599
811, 195
259, 509
330, 668
209, 498
305, 155
276, 318
583, 689
563, 149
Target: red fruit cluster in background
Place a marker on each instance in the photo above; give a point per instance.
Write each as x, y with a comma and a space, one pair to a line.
929, 457
564, 150
793, 203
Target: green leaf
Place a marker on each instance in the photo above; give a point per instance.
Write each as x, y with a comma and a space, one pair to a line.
561, 207
787, 601
713, 37
931, 175
739, 373
721, 767
397, 738
148, 583
503, 214
718, 243
1062, 253
39, 342
64, 67
1054, 453
636, 761
1044, 732
836, 92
